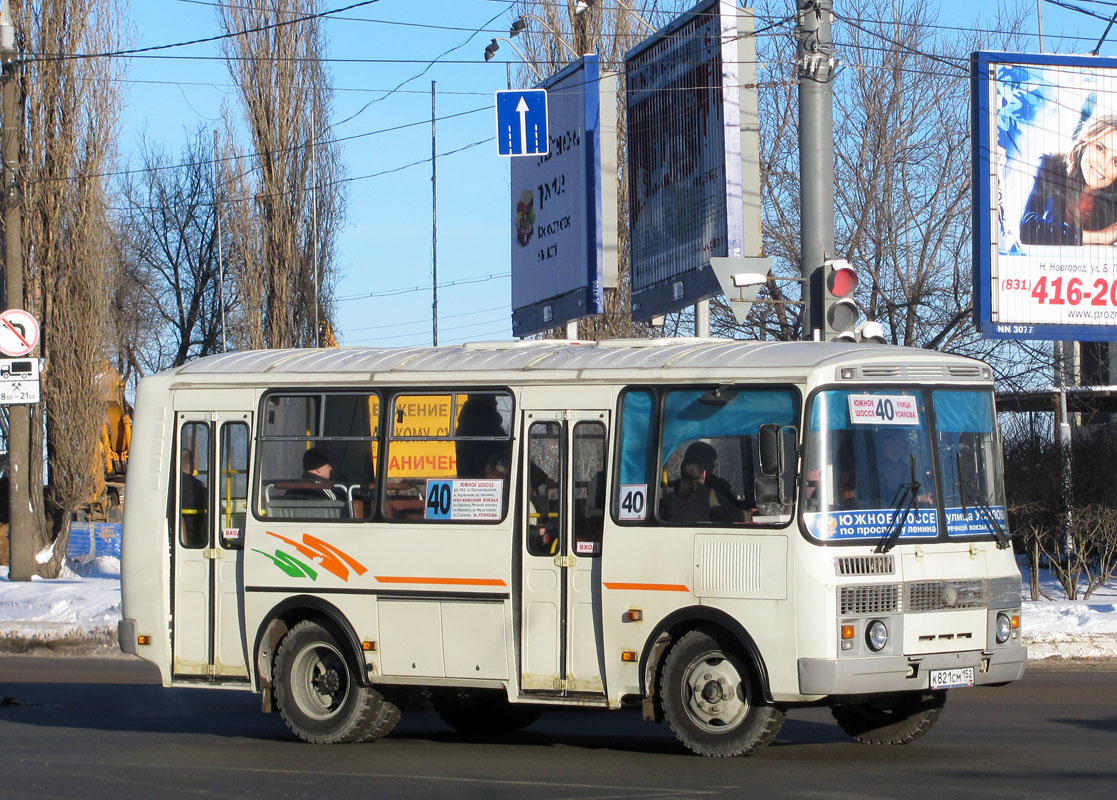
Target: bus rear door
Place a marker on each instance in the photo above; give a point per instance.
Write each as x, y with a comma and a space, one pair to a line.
211, 505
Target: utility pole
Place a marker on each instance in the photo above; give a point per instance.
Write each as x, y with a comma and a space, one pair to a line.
434, 223
816, 66
21, 520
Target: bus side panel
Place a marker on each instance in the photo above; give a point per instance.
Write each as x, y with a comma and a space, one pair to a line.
145, 554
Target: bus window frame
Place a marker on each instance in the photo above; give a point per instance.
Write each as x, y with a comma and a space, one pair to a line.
926, 392
659, 390
258, 438
390, 396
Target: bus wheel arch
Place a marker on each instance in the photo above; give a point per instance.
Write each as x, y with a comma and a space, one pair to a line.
320, 695
286, 615
673, 627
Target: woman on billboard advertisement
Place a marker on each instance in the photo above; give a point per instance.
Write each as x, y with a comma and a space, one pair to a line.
1074, 199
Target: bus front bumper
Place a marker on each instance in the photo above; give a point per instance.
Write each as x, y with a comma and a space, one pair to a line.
853, 676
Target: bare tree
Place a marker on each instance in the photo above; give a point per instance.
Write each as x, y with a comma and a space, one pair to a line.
171, 278
69, 127
296, 199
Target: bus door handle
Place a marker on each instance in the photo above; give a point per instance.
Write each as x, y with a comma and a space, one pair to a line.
212, 553
565, 561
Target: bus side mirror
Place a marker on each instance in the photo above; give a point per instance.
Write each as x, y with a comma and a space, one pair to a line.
778, 464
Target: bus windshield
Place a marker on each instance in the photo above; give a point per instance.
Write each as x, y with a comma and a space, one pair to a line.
881, 459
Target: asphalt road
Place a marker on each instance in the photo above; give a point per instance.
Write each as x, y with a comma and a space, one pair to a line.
100, 728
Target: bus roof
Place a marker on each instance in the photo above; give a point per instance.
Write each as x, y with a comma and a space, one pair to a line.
548, 359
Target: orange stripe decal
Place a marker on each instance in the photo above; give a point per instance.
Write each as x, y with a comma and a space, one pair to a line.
648, 587
442, 581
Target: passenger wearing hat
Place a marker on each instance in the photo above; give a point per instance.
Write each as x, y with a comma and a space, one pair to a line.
317, 472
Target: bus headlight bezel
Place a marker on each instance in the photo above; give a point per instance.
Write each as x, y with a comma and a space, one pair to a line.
876, 635
1004, 628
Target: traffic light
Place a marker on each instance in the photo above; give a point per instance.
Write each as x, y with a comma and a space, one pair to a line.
840, 310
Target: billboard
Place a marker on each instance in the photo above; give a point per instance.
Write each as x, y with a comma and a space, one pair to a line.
564, 205
1045, 196
686, 204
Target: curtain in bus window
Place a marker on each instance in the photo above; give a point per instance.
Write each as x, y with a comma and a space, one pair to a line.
637, 455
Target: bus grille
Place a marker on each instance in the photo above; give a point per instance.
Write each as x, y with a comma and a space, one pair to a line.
877, 598
946, 595
864, 565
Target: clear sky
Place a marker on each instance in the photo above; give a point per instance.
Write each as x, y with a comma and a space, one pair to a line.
384, 253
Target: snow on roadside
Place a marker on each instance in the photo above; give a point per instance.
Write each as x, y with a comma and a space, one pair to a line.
84, 605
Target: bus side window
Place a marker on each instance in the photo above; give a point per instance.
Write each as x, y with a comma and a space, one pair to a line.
193, 485
342, 428
633, 488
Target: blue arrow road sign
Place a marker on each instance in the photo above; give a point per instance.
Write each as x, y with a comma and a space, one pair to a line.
521, 122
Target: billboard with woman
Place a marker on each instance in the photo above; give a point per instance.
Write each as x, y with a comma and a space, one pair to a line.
1045, 196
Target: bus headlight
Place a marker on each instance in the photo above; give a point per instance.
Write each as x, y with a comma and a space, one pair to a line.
1004, 628
876, 635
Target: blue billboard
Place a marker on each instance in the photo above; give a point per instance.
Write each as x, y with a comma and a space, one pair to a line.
564, 207
686, 193
1044, 196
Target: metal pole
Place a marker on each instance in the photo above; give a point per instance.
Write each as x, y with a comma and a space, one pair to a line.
21, 520
816, 65
314, 226
1039, 22
702, 319
220, 256
434, 223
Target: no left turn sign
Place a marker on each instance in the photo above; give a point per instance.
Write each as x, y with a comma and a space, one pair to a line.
19, 332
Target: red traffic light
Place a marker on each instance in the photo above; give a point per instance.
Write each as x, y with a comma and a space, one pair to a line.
841, 280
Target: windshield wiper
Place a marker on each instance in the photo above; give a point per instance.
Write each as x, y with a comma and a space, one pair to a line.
902, 503
995, 528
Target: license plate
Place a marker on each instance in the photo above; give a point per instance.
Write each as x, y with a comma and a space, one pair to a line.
952, 678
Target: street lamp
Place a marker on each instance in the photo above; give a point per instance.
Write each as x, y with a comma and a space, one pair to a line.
519, 25
490, 51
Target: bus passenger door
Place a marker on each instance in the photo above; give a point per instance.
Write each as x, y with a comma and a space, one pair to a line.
564, 513
211, 505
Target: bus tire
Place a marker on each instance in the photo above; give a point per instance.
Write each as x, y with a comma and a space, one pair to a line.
319, 697
896, 719
483, 714
711, 699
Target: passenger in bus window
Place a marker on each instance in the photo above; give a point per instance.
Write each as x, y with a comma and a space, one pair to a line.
317, 474
479, 417
730, 507
543, 530
194, 505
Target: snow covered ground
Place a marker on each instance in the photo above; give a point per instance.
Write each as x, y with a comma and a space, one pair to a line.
80, 610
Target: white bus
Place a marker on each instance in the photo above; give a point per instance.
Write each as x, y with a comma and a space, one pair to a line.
716, 531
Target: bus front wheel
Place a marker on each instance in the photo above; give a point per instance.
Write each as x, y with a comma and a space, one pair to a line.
711, 700
318, 696
896, 719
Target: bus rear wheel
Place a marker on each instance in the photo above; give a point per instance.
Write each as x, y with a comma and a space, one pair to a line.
483, 714
896, 719
712, 701
318, 695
